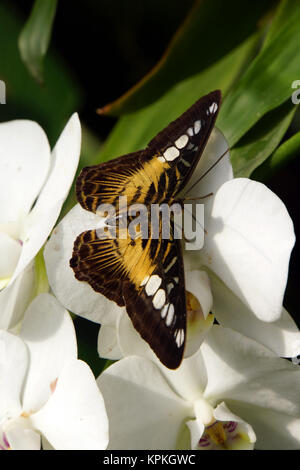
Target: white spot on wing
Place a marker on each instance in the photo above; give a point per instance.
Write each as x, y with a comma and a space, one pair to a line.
179, 338
182, 141
197, 126
153, 284
171, 153
159, 298
161, 159
170, 315
213, 108
190, 131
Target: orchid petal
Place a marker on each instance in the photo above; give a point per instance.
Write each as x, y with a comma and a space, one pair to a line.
197, 330
222, 413
10, 250
147, 414
44, 214
24, 164
64, 162
189, 380
15, 298
198, 304
233, 361
196, 430
22, 437
76, 296
281, 336
74, 417
13, 367
108, 346
197, 282
130, 342
48, 331
274, 429
250, 238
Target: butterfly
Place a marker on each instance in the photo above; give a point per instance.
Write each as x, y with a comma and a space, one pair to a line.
146, 275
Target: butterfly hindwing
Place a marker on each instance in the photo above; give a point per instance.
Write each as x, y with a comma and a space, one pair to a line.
97, 261
145, 275
153, 293
106, 263
157, 307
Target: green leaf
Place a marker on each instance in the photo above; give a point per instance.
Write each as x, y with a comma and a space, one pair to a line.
267, 82
261, 140
87, 335
133, 131
204, 37
108, 364
35, 36
41, 279
285, 9
286, 152
51, 104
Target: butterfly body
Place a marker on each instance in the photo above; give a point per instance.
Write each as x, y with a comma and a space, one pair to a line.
137, 270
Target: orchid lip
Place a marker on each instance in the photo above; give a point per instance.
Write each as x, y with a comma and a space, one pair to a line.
218, 433
4, 444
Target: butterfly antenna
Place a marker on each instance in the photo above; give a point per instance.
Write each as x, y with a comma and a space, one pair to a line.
197, 221
196, 198
207, 171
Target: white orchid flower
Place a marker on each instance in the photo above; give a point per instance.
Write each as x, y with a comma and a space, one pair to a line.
246, 255
47, 396
34, 184
232, 394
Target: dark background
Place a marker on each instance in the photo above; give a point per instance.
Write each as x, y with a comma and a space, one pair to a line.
110, 45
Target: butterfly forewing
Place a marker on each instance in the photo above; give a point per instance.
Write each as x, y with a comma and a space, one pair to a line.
180, 145
104, 183
145, 275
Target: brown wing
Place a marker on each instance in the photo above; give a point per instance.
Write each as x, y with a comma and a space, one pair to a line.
151, 288
99, 262
158, 172
103, 183
181, 144
157, 307
146, 276
105, 263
